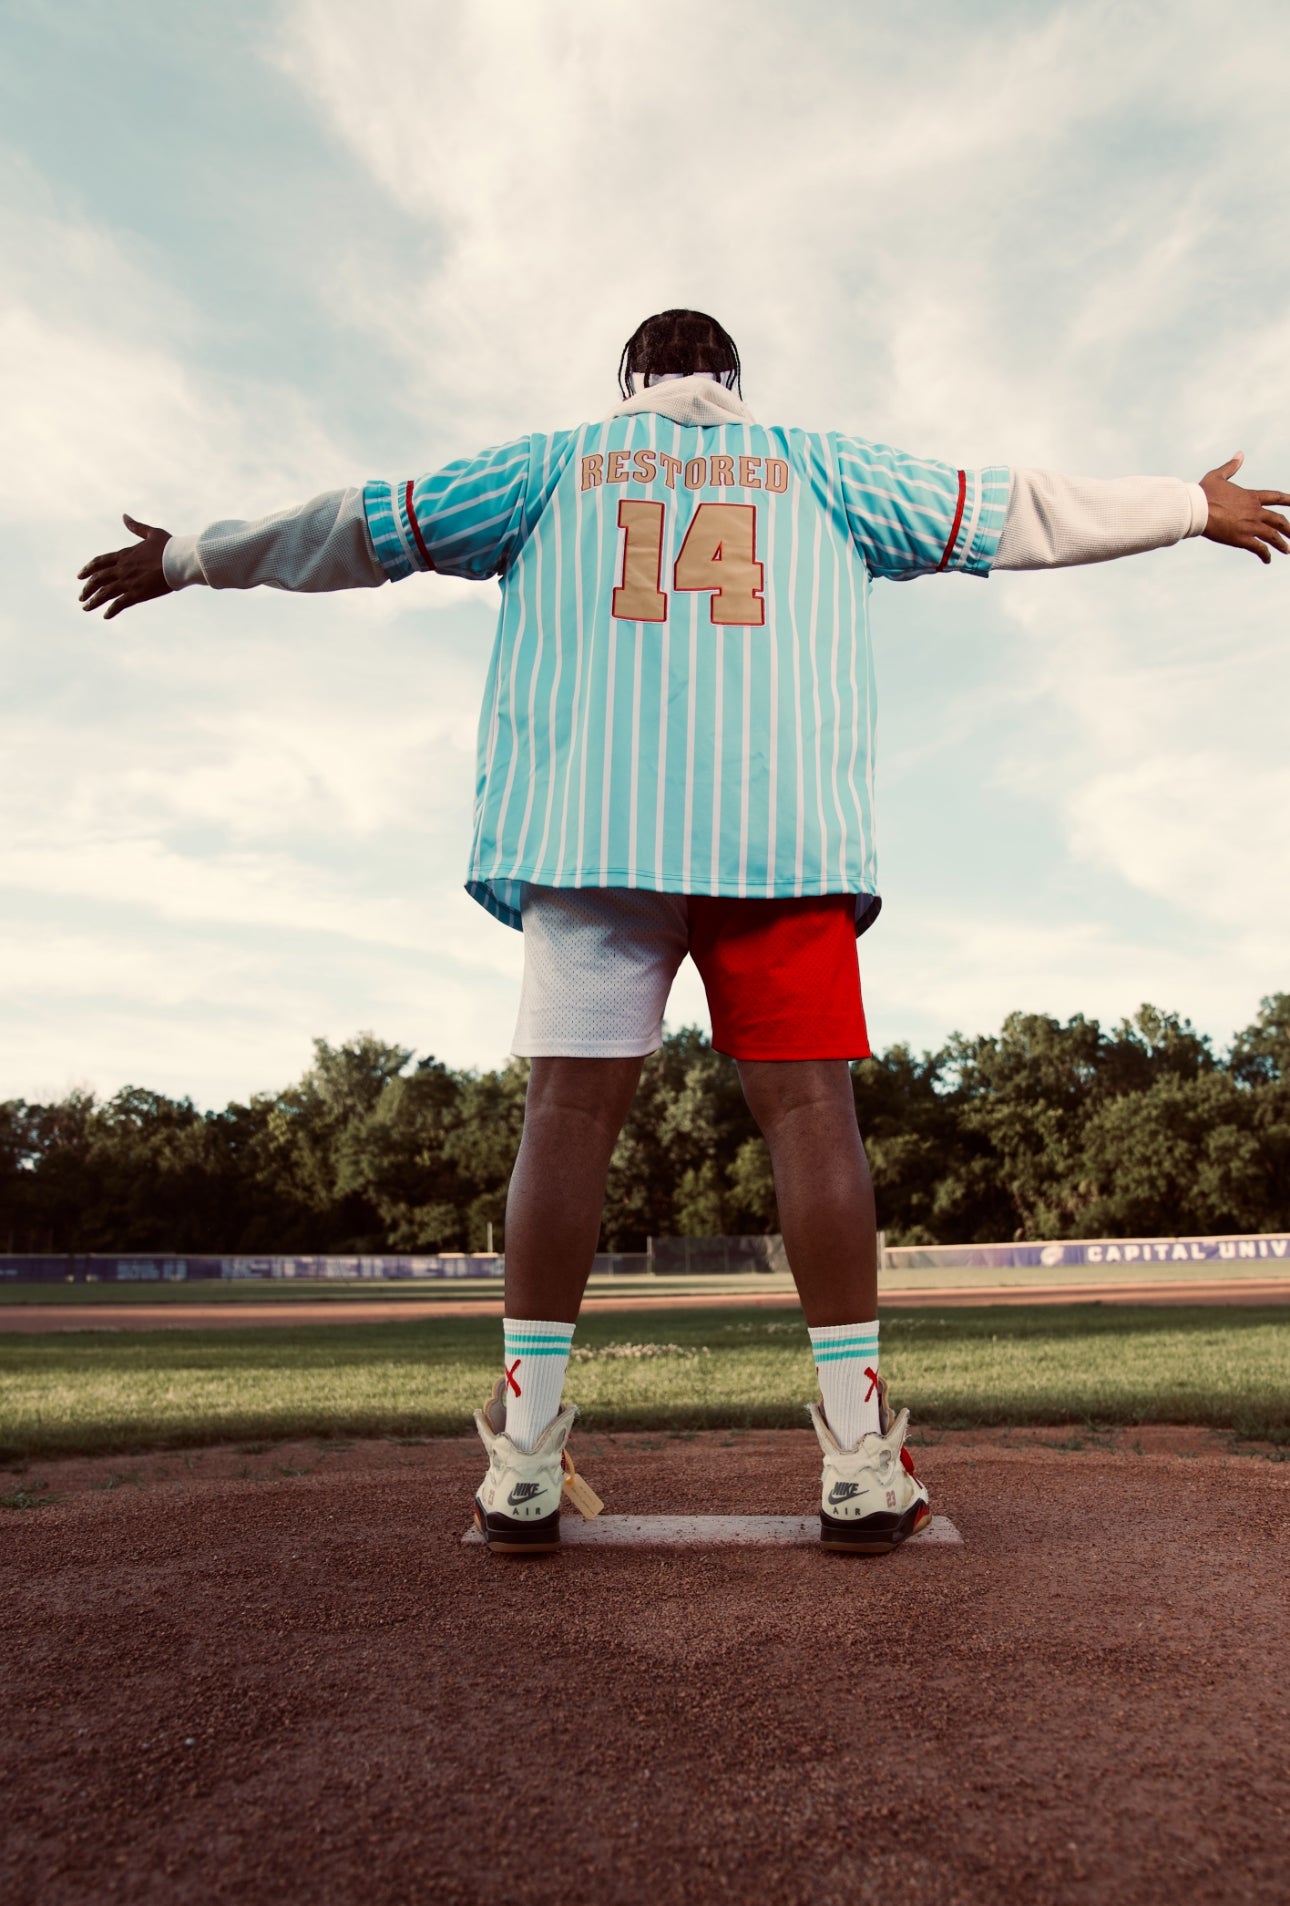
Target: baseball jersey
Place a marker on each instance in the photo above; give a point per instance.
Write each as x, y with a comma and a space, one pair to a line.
681, 691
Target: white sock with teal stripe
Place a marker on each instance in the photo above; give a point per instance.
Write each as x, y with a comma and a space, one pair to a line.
537, 1355
846, 1361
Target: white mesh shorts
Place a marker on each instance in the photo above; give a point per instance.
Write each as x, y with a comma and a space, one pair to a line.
598, 967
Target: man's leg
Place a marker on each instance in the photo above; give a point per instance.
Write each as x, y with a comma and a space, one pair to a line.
806, 1110
870, 1499
597, 967
572, 1117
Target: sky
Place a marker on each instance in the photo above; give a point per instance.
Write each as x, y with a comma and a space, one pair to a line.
257, 251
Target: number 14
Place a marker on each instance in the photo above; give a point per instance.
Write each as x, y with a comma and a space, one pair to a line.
719, 554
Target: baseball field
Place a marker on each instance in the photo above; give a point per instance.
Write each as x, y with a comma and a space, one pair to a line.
247, 1655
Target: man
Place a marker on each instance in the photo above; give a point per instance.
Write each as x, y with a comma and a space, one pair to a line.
676, 755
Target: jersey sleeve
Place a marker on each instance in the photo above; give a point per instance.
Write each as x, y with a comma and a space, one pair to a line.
911, 516
469, 519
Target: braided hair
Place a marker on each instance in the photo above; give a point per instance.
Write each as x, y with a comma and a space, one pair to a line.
680, 342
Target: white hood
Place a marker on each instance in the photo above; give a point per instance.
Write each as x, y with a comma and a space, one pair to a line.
688, 400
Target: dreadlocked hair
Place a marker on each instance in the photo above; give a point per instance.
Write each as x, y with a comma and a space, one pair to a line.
680, 342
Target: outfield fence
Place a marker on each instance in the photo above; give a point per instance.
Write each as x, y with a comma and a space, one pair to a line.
1091, 1254
664, 1257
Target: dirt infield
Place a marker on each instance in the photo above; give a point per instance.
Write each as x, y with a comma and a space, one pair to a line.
35, 1319
276, 1675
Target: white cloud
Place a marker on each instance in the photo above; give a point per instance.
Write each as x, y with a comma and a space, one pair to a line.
947, 968
1204, 829
990, 233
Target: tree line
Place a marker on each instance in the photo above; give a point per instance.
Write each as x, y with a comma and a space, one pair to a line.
1044, 1129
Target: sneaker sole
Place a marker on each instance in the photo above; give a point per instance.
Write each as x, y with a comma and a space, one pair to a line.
873, 1535
509, 1537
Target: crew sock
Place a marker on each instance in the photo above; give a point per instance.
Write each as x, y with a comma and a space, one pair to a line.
536, 1356
846, 1362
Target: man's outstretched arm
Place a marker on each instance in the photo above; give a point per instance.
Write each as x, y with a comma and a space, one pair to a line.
1056, 521
466, 519
322, 545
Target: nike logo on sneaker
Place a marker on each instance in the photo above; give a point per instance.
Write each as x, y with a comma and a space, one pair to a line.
843, 1491
524, 1492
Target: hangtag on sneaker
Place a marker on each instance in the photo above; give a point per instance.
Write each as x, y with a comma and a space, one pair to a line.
580, 1493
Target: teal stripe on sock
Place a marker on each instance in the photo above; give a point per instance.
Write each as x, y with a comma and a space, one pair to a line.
844, 1356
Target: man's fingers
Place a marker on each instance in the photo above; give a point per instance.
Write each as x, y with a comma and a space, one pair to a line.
126, 602
96, 563
1226, 471
139, 529
101, 595
1270, 520
1272, 496
1256, 548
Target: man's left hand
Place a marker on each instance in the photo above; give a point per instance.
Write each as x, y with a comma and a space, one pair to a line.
1244, 518
126, 576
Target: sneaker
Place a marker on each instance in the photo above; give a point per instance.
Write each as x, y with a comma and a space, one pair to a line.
870, 1498
517, 1509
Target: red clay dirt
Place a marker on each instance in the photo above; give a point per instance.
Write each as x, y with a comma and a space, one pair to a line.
40, 1318
227, 1679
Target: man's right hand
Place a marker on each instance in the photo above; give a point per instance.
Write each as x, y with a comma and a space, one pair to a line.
1243, 517
126, 576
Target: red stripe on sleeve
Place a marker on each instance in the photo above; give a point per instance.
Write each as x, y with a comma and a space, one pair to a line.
425, 553
954, 533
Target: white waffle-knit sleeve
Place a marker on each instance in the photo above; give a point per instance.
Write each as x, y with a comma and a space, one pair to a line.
324, 544
1054, 521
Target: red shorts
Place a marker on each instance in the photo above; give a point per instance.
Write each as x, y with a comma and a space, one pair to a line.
782, 976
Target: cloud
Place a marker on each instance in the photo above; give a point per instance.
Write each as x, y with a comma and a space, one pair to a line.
1203, 829
966, 969
1042, 235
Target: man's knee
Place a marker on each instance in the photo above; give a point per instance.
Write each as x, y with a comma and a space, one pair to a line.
598, 1092
780, 1089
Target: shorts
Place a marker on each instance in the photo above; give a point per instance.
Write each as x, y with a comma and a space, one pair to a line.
782, 976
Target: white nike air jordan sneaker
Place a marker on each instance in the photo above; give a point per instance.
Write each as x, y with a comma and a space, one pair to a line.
517, 1509
870, 1499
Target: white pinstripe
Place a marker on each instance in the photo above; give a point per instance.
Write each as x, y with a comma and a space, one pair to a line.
551, 726
687, 861
535, 673
800, 849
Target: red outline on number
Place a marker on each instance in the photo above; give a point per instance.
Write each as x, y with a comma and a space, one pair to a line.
641, 503
416, 527
958, 519
759, 595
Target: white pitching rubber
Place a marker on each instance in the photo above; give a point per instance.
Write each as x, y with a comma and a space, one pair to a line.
704, 1531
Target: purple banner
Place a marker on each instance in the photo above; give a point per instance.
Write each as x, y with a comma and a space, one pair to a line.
1094, 1254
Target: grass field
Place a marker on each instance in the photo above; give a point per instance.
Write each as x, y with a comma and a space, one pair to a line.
85, 1392
288, 1290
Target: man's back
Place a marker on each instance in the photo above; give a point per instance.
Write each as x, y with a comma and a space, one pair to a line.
681, 695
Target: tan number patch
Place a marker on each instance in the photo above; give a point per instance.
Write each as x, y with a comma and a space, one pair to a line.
638, 598
720, 553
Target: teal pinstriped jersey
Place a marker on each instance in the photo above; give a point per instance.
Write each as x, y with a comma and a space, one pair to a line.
681, 690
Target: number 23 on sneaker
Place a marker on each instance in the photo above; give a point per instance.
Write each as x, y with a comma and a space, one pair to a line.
870, 1499
517, 1509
